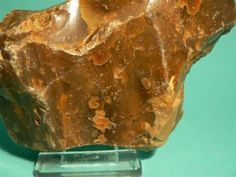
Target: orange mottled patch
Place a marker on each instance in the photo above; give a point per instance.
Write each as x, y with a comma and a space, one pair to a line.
100, 57
37, 84
193, 6
67, 124
35, 22
146, 83
100, 139
94, 102
108, 99
101, 122
62, 102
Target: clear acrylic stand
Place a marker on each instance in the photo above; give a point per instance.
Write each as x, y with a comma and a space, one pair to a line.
95, 163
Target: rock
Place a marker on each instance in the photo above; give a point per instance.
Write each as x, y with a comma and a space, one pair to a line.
103, 72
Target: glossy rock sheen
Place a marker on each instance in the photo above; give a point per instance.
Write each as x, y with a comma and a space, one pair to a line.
103, 72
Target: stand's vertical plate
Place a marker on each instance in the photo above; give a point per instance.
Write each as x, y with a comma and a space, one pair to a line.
102, 163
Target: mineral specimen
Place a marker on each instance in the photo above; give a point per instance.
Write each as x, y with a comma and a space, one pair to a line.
103, 71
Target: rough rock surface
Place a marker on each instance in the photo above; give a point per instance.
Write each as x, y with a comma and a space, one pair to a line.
103, 71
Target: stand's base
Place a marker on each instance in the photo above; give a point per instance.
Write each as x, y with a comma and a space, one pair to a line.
102, 163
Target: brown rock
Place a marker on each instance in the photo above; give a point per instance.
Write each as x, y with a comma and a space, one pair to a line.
103, 72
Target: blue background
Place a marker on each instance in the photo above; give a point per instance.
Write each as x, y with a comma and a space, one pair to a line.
204, 142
